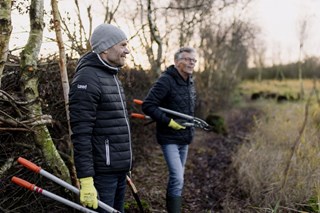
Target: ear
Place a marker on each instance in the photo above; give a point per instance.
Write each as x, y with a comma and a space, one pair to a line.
176, 62
179, 65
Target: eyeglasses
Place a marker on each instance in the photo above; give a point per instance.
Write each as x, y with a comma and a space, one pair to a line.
190, 60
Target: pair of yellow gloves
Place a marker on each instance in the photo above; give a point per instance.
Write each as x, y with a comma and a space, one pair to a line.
88, 193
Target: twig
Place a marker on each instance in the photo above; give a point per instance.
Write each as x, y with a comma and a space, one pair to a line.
12, 121
296, 144
6, 166
15, 129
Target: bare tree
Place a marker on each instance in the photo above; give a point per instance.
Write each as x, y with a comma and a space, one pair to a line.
64, 78
77, 32
277, 63
110, 10
62, 55
190, 13
5, 30
224, 50
157, 26
149, 35
155, 39
302, 38
258, 54
29, 86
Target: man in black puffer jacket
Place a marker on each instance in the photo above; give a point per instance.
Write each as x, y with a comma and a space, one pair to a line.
174, 90
99, 120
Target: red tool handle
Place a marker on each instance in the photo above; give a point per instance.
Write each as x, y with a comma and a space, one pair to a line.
23, 183
137, 101
33, 167
138, 115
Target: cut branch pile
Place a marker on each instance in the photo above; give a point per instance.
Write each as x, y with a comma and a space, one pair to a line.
22, 121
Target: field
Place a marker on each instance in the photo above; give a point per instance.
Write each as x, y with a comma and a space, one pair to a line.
278, 167
287, 87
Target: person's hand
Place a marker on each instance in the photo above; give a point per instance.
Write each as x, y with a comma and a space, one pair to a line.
175, 125
88, 193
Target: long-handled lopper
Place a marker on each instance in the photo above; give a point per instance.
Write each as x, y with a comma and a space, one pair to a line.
135, 193
53, 196
190, 120
33, 167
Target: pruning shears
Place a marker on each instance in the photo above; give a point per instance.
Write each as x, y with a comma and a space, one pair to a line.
33, 167
189, 120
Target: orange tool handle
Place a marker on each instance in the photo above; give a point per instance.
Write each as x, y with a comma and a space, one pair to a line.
138, 115
23, 183
33, 167
137, 101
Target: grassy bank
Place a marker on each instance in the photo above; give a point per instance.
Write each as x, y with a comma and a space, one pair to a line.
279, 167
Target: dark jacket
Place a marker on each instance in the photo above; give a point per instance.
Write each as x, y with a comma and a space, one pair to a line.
171, 91
99, 119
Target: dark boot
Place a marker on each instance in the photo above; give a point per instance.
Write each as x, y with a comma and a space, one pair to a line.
173, 204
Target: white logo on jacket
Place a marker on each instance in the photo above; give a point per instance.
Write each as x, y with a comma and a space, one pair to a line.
79, 86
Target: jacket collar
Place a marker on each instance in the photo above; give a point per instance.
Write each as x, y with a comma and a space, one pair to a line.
107, 65
172, 71
93, 60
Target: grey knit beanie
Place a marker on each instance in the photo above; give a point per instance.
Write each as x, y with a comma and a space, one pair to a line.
105, 36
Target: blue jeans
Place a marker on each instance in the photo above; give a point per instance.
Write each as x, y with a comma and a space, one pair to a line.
111, 190
176, 157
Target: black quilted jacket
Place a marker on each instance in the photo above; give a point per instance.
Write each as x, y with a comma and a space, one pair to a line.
171, 91
99, 119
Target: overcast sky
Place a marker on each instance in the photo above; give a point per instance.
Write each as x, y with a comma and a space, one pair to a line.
278, 20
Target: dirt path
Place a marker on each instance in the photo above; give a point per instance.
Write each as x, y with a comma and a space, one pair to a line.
210, 182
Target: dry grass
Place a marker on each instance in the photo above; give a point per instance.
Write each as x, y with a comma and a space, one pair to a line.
261, 163
286, 86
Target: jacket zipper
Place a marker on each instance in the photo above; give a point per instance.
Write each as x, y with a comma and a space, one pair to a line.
125, 115
107, 152
124, 111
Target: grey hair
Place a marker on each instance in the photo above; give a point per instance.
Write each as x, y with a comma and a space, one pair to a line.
183, 49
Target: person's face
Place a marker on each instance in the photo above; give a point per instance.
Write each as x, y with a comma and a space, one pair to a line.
116, 55
186, 63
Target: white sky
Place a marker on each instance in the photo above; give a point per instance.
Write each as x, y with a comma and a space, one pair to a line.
278, 20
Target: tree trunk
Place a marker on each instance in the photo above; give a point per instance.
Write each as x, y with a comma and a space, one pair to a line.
5, 32
64, 79
62, 55
300, 74
29, 85
154, 39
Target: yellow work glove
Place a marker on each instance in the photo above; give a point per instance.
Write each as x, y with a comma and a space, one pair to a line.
88, 193
175, 125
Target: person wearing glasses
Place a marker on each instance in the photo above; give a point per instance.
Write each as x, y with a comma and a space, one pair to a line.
99, 120
174, 90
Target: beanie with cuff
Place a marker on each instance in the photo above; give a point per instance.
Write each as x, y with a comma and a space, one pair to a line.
105, 36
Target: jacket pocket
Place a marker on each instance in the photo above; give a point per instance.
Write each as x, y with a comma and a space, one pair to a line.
107, 145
